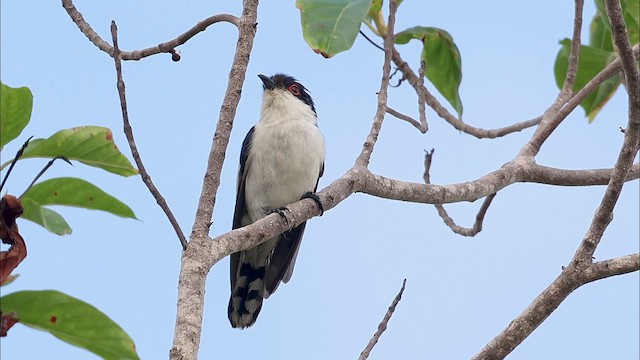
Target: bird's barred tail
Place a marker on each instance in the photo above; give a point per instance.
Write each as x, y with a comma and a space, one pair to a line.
246, 298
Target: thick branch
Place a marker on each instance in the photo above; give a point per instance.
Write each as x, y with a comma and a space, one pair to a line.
165, 47
562, 177
195, 260
128, 131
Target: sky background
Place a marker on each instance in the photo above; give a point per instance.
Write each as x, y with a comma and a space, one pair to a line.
460, 292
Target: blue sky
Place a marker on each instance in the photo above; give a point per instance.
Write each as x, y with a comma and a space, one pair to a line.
460, 291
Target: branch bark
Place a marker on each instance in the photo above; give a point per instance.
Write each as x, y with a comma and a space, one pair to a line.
196, 258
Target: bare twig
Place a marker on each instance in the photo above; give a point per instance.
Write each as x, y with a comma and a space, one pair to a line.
165, 47
442, 112
367, 148
14, 161
128, 131
44, 169
460, 230
383, 325
404, 117
371, 41
572, 69
424, 126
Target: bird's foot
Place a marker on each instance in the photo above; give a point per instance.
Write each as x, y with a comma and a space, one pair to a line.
282, 212
315, 198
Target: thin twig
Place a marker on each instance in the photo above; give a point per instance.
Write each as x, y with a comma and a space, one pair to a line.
165, 47
572, 69
383, 325
543, 133
460, 230
404, 117
371, 41
128, 131
367, 149
44, 169
424, 126
14, 161
443, 113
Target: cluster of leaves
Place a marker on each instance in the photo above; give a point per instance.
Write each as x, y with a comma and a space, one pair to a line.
599, 53
64, 316
331, 26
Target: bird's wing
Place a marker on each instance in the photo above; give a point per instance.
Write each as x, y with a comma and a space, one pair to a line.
241, 207
285, 253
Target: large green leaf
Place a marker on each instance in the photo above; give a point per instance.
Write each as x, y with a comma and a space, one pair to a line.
91, 145
631, 13
440, 53
75, 192
71, 320
15, 112
44, 217
592, 60
331, 26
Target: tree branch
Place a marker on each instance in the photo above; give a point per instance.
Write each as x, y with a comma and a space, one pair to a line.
404, 117
442, 112
367, 149
477, 226
604, 212
128, 131
612, 267
581, 270
195, 260
383, 325
165, 47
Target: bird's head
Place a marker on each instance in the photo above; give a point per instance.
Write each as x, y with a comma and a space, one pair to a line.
282, 90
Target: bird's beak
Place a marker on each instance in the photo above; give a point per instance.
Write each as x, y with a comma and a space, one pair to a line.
268, 83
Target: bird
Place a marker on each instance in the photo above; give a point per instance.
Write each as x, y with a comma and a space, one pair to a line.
281, 162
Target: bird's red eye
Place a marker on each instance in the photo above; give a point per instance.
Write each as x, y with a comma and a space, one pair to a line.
294, 89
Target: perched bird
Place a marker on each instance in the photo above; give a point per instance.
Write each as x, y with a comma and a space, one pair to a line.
281, 161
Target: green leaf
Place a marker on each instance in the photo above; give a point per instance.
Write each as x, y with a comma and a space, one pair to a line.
44, 217
70, 320
91, 145
15, 111
331, 26
600, 34
75, 192
631, 11
442, 58
592, 60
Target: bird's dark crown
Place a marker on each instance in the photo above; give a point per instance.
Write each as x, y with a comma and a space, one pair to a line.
289, 83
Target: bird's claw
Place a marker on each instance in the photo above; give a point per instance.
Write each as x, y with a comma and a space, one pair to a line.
282, 212
315, 198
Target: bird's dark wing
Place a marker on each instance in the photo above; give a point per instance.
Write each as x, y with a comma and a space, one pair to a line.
241, 207
284, 255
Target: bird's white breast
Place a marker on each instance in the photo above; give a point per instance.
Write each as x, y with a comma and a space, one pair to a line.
286, 155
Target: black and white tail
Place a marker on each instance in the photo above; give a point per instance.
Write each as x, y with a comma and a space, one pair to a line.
247, 295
